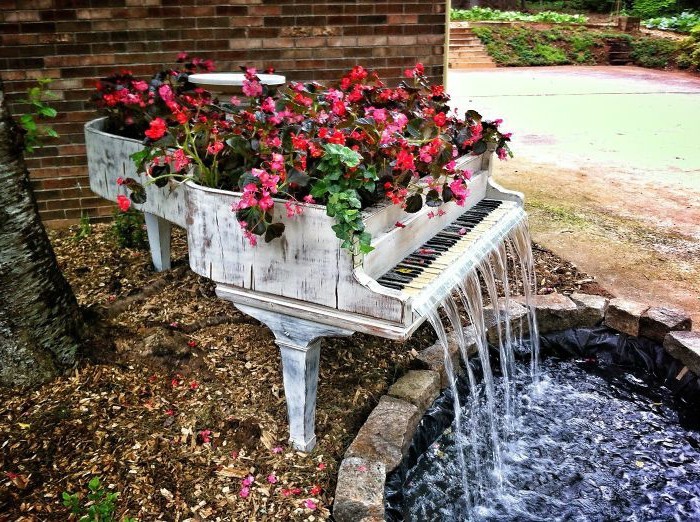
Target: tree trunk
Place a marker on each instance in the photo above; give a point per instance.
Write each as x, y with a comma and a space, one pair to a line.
39, 315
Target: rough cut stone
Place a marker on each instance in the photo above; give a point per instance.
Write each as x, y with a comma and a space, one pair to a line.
359, 494
387, 433
591, 308
658, 321
518, 319
685, 346
554, 312
433, 358
419, 387
624, 315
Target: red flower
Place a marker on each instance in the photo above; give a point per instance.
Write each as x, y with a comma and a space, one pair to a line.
316, 490
440, 119
123, 202
405, 161
157, 129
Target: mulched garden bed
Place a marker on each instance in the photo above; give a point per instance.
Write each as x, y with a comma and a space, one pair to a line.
179, 402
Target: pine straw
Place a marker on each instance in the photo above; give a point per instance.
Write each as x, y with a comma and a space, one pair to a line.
176, 434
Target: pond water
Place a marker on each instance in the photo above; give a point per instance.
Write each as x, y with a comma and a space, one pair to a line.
587, 442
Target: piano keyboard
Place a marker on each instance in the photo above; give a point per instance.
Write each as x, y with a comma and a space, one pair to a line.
443, 251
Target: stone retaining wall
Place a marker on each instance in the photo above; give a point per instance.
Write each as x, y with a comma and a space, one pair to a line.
385, 437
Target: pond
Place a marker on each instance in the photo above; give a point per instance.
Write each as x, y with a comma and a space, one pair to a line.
594, 439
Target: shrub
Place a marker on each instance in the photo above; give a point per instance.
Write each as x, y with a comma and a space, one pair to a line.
681, 23
654, 52
651, 8
596, 6
690, 50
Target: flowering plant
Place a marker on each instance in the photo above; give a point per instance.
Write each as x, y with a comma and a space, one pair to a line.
130, 104
347, 146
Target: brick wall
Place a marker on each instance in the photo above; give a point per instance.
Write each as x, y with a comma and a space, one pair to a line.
76, 41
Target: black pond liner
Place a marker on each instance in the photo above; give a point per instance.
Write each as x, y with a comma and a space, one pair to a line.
601, 351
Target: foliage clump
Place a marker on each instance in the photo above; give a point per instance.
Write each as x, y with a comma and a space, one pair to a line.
527, 46
488, 14
681, 23
689, 56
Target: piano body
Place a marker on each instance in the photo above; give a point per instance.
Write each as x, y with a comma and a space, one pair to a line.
303, 286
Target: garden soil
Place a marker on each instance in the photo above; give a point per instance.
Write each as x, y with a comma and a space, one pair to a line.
179, 399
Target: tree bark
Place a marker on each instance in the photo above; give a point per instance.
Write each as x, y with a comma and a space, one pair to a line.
39, 315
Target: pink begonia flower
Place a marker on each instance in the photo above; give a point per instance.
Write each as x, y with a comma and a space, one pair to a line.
277, 162
316, 490
248, 480
205, 436
502, 154
252, 88
277, 449
266, 202
460, 191
321, 465
140, 86
235, 101
268, 105
272, 479
123, 202
245, 492
310, 504
309, 199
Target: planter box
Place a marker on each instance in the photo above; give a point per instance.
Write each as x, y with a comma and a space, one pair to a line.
306, 273
109, 158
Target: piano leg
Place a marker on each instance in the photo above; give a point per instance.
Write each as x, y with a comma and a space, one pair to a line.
159, 232
300, 344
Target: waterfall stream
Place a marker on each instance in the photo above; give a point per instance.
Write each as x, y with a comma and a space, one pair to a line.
475, 320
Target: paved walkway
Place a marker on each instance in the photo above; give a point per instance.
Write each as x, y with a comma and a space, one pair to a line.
609, 158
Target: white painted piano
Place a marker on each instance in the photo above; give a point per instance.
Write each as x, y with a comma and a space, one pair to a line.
303, 286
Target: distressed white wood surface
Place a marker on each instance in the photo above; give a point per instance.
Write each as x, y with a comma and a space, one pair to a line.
305, 264
109, 158
300, 346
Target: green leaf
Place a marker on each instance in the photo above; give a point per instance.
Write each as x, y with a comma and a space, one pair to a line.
413, 127
47, 112
432, 199
414, 203
480, 147
298, 177
320, 188
94, 483
274, 231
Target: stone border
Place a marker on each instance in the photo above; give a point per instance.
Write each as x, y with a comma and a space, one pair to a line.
384, 439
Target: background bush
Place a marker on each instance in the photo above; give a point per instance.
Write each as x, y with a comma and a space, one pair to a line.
651, 8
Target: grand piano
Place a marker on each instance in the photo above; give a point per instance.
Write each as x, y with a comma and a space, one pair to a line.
304, 287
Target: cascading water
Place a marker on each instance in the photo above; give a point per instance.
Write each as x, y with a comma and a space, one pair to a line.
526, 445
479, 438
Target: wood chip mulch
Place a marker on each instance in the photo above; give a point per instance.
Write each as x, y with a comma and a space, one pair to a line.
178, 402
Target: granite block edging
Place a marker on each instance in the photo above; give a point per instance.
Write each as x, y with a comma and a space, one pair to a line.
384, 439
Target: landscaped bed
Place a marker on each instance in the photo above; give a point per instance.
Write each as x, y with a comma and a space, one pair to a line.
178, 423
533, 44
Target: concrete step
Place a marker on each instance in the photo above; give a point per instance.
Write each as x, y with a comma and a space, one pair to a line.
470, 43
471, 65
471, 57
